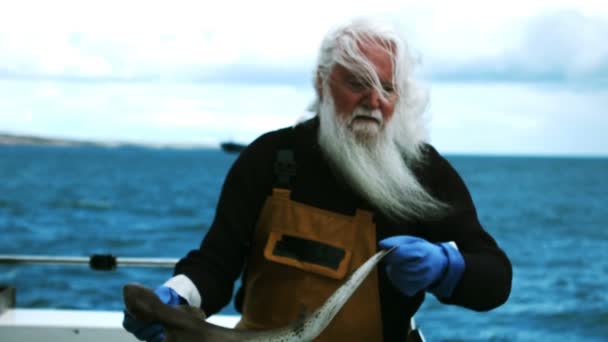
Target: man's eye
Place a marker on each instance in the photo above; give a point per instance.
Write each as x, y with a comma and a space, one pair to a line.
388, 88
357, 85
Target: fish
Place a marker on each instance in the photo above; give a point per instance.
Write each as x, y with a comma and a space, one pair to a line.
187, 324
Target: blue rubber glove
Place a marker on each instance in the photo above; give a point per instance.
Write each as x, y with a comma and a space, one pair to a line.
418, 265
147, 331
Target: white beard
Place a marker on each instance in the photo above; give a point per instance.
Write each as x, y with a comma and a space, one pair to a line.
367, 155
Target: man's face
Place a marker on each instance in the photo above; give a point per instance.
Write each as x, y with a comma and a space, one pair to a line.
351, 94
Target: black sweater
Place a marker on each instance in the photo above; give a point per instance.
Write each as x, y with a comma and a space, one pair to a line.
214, 267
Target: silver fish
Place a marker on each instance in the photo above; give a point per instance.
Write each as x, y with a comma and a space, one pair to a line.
187, 324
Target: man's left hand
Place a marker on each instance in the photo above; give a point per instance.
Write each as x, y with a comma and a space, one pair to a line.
416, 264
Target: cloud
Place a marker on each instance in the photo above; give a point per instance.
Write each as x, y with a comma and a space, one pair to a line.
151, 112
141, 41
245, 43
564, 46
516, 118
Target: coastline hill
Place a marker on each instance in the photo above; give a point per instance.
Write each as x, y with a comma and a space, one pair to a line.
26, 139
18, 139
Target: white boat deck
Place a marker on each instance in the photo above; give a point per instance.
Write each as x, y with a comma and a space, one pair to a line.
35, 325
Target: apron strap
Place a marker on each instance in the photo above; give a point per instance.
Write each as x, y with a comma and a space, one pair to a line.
284, 168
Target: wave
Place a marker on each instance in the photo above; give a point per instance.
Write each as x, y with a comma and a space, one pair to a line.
87, 204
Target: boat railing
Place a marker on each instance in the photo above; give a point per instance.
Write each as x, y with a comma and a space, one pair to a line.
99, 262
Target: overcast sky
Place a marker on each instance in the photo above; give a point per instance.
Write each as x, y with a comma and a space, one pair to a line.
506, 78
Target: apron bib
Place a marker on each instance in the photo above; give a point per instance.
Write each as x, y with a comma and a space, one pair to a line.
300, 256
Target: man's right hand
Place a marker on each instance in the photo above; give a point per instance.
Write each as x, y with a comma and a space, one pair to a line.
147, 331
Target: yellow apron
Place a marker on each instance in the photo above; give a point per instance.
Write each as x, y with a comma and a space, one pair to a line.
278, 288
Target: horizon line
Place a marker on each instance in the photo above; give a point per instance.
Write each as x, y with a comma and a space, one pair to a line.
28, 139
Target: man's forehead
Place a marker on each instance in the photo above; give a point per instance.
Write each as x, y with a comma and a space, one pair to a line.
376, 45
375, 53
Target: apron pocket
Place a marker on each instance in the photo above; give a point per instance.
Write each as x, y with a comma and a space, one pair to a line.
306, 254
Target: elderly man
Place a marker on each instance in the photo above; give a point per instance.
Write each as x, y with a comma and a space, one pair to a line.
304, 206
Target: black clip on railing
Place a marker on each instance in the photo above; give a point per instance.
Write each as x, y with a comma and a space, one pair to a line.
102, 262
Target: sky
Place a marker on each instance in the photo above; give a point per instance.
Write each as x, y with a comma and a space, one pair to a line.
504, 78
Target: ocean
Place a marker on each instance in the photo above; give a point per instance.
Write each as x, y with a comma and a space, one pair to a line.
548, 213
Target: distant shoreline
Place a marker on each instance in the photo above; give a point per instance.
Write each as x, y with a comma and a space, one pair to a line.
16, 139
8, 139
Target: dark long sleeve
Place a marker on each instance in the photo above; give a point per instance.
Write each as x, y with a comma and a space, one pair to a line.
218, 263
486, 282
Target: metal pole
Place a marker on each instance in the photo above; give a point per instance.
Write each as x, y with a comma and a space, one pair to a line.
95, 261
147, 262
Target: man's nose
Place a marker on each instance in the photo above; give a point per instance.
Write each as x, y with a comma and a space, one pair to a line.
373, 100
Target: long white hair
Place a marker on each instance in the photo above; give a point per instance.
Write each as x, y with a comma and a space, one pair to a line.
379, 169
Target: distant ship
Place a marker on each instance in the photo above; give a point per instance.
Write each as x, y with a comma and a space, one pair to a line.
232, 147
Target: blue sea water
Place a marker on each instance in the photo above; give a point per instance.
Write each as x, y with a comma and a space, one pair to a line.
549, 214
